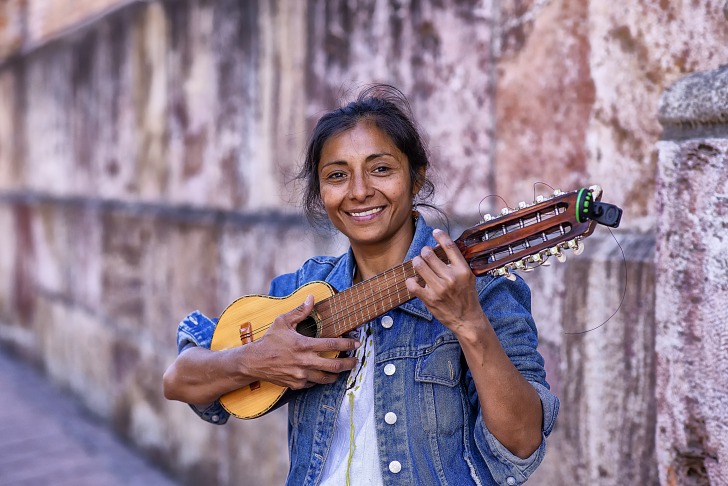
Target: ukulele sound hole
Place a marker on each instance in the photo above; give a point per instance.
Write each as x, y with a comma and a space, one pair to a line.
308, 327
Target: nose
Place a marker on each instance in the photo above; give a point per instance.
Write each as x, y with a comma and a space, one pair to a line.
360, 187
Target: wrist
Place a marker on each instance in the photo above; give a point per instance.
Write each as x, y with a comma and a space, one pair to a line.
241, 365
475, 333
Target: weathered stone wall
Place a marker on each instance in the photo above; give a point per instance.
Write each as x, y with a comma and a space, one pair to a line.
145, 167
692, 282
597, 332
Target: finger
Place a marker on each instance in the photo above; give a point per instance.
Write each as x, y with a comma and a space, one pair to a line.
451, 248
437, 266
417, 290
335, 365
322, 378
332, 344
424, 271
293, 317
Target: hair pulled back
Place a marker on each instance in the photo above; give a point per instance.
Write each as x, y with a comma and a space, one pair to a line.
389, 110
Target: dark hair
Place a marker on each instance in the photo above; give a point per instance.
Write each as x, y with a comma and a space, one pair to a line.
388, 108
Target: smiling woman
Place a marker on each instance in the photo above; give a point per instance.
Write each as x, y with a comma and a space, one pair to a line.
445, 388
367, 194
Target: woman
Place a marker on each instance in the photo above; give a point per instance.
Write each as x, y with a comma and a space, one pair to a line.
447, 388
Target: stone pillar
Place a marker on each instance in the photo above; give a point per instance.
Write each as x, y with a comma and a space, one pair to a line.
692, 282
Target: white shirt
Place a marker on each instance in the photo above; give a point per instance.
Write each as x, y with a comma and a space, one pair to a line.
356, 462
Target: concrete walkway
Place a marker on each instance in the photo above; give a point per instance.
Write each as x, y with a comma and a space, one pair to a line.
46, 438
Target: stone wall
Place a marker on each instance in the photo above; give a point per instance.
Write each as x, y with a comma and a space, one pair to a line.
146, 157
692, 282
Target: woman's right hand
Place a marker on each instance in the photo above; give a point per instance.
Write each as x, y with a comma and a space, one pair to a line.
282, 357
287, 358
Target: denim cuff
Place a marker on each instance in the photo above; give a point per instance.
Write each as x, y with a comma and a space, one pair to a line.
509, 469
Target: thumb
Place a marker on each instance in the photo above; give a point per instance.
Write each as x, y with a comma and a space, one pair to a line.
298, 314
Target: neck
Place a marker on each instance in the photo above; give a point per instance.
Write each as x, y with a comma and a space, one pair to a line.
372, 260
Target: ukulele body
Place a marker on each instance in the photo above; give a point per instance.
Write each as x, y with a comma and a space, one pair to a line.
247, 320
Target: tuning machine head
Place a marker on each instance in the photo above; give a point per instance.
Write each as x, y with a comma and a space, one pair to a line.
556, 251
576, 246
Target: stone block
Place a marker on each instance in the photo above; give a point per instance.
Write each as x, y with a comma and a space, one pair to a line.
77, 353
47, 19
12, 18
439, 55
11, 149
8, 264
692, 282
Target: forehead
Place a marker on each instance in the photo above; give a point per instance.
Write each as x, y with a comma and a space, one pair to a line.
359, 142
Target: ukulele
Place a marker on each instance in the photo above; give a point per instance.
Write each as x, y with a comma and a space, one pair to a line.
516, 240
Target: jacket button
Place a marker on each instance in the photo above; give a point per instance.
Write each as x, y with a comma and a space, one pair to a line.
511, 481
390, 418
215, 418
389, 369
387, 322
395, 467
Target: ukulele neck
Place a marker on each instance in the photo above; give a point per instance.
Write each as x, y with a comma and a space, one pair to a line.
350, 308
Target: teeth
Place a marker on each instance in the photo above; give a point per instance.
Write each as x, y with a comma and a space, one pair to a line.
366, 213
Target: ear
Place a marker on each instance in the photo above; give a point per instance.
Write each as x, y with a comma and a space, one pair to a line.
419, 181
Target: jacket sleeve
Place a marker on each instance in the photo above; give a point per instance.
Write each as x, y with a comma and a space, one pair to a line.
196, 330
508, 307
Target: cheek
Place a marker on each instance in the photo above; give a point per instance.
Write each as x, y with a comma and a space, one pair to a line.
328, 198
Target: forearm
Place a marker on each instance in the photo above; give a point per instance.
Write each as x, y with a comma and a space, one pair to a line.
510, 406
201, 376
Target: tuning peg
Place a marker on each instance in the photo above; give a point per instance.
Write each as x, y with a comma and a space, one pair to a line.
541, 258
576, 246
540, 199
487, 218
505, 271
596, 190
522, 205
556, 251
558, 192
525, 264
505, 211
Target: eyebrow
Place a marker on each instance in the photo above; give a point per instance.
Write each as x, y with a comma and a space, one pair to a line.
368, 159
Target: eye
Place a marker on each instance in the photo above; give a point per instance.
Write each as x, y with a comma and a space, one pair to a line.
335, 175
382, 169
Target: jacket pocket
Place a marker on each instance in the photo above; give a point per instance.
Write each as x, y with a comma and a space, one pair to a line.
441, 403
441, 364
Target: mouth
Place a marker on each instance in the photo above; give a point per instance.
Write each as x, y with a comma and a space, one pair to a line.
366, 213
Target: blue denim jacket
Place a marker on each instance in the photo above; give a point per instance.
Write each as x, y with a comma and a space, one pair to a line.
420, 374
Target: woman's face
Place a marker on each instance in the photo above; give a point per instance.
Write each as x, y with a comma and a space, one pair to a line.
365, 187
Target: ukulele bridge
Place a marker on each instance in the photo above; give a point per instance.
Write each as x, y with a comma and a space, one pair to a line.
246, 336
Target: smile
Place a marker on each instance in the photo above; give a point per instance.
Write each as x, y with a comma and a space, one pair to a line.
368, 212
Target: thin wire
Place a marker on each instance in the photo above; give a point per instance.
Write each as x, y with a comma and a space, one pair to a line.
491, 195
624, 292
543, 184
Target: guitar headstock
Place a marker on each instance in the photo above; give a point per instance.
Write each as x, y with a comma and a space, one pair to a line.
524, 238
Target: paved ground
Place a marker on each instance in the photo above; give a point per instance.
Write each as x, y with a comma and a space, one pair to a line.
47, 439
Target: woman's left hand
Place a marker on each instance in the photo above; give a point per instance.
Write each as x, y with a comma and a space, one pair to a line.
449, 290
